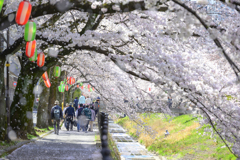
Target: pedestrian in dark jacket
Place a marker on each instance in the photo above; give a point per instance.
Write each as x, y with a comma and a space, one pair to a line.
56, 116
125, 100
92, 119
169, 102
69, 116
97, 105
75, 103
78, 114
86, 112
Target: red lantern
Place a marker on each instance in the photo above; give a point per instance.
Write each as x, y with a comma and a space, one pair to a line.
149, 89
71, 80
47, 83
66, 87
41, 59
82, 87
88, 86
88, 90
30, 48
68, 80
93, 88
74, 80
77, 86
23, 12
45, 76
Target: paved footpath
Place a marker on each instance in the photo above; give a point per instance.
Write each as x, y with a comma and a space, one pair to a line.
68, 145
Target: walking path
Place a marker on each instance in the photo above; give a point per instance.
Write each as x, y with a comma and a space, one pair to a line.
68, 145
129, 148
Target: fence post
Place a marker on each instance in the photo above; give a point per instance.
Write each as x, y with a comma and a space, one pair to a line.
103, 130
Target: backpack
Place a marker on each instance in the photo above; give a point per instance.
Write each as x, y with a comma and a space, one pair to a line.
56, 113
87, 112
96, 106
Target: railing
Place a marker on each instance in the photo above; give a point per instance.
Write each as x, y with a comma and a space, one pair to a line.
103, 130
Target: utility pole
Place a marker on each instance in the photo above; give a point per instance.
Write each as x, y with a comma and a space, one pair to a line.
63, 100
64, 90
7, 90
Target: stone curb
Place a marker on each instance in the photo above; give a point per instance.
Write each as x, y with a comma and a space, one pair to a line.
98, 141
20, 144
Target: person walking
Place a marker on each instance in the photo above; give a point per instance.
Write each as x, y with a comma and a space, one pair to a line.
75, 103
82, 118
137, 99
56, 116
169, 102
125, 100
81, 100
132, 104
166, 133
86, 117
92, 119
64, 116
88, 100
69, 116
97, 105
78, 116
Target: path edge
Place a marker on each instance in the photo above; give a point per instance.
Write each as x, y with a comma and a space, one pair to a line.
10, 149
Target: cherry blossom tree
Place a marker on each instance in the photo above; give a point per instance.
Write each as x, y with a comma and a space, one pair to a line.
174, 45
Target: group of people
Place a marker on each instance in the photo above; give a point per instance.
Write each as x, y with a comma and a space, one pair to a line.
134, 101
82, 112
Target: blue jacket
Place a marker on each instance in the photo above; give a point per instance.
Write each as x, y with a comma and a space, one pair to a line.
75, 103
79, 111
70, 111
81, 100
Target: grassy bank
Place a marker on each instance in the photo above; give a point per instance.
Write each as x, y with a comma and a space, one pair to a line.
187, 139
39, 131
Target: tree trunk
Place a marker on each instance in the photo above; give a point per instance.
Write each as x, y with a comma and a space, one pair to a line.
42, 114
2, 100
67, 95
22, 105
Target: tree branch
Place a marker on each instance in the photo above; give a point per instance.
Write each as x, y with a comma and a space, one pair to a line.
216, 40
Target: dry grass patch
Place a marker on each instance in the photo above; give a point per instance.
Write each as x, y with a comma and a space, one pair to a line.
186, 138
177, 136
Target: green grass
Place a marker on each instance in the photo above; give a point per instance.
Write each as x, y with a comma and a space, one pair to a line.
29, 136
186, 137
122, 120
39, 131
7, 144
4, 155
97, 137
113, 147
182, 146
